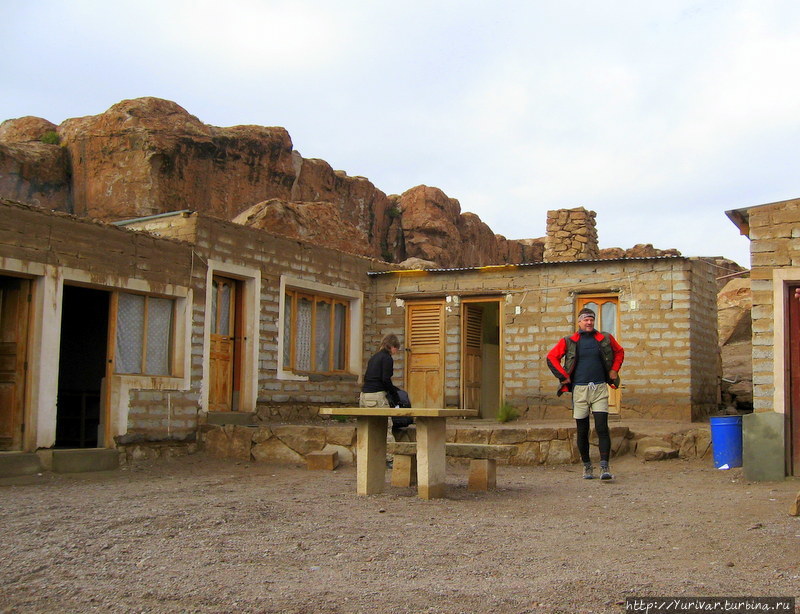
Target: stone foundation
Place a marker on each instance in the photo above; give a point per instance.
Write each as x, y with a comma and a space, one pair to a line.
541, 445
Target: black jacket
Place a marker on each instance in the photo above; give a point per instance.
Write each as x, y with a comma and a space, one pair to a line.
378, 376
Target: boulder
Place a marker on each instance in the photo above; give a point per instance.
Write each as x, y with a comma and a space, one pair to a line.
735, 330
654, 448
34, 169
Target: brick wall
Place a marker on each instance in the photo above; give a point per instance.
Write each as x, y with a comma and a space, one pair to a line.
275, 256
667, 327
774, 232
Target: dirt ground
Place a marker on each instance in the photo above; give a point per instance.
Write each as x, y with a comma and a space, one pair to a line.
203, 535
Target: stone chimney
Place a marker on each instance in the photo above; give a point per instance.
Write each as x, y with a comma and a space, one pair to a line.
571, 235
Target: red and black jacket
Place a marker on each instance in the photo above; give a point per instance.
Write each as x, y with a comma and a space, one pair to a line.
567, 349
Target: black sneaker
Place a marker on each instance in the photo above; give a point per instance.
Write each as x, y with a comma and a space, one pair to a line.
588, 471
605, 474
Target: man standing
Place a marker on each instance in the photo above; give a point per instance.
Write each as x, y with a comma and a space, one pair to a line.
591, 359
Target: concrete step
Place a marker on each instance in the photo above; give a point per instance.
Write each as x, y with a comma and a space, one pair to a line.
81, 460
13, 464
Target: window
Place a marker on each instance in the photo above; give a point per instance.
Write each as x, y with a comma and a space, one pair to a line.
144, 334
315, 333
607, 310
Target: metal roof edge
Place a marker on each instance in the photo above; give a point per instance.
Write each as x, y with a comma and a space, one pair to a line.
526, 264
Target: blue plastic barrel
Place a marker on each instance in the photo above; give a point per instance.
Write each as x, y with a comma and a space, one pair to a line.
726, 441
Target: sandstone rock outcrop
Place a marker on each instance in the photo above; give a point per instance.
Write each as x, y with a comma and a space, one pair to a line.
33, 167
735, 328
319, 223
148, 156
640, 250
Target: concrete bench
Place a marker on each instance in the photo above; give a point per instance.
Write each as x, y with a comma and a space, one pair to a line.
482, 466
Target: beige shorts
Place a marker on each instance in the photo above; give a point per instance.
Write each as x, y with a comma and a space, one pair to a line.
373, 399
589, 397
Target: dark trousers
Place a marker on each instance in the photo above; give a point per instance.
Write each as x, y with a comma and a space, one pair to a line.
603, 435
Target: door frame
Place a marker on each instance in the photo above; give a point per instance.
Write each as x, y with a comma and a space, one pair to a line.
249, 299
500, 301
614, 394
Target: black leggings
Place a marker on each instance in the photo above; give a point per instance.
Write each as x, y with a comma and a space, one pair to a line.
603, 435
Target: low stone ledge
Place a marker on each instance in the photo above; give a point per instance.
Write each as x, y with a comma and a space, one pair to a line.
291, 443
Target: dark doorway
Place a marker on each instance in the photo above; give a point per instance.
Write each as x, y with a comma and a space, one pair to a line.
82, 366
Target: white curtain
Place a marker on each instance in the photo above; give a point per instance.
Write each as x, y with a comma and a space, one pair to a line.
322, 337
130, 337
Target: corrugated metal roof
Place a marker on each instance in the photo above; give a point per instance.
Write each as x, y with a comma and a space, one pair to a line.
525, 265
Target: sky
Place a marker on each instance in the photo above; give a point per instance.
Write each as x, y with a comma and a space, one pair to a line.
658, 116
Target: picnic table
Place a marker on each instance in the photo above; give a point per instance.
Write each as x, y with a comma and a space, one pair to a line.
371, 428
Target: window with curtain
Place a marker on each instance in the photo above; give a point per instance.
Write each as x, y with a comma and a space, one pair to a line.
314, 333
144, 334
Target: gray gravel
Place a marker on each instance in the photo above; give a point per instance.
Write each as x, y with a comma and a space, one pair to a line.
202, 535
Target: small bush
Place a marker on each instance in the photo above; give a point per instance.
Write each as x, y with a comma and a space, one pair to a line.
395, 211
50, 138
507, 413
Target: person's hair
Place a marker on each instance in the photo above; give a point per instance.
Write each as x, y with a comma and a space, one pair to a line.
586, 311
390, 341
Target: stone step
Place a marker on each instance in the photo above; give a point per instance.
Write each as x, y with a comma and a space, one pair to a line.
13, 464
81, 460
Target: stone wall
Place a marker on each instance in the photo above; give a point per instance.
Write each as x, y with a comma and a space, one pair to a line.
289, 444
571, 235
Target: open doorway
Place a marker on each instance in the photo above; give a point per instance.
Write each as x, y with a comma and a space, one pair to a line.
82, 367
480, 356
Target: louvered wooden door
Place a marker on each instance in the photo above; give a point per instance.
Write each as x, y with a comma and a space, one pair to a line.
425, 356
472, 361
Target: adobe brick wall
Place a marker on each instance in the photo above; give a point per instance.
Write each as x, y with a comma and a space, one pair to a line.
669, 333
36, 235
774, 235
105, 256
274, 256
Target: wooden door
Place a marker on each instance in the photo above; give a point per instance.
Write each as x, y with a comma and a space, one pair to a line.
425, 353
223, 309
792, 424
14, 296
472, 355
607, 309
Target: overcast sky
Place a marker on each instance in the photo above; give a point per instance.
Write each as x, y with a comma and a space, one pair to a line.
659, 116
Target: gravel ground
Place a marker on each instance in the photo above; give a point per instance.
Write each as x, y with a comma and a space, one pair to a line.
203, 535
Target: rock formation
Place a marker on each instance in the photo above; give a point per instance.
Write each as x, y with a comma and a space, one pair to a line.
735, 327
33, 168
148, 156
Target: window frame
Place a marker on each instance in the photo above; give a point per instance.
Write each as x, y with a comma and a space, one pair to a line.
295, 295
354, 297
171, 342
